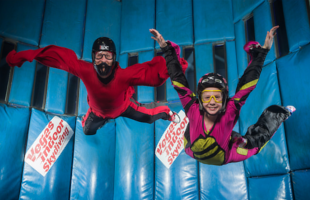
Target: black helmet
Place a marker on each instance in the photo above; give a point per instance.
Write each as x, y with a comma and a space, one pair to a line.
103, 44
213, 80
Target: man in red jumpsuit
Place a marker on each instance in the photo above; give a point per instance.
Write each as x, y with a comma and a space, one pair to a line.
109, 87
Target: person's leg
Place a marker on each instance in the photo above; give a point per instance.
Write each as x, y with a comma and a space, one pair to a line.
259, 134
149, 113
91, 123
268, 123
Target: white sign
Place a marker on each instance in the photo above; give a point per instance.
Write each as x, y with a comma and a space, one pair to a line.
48, 146
172, 142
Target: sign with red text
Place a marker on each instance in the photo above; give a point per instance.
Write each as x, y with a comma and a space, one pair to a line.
48, 146
171, 142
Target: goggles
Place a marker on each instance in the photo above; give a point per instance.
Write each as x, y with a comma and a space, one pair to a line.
108, 55
217, 100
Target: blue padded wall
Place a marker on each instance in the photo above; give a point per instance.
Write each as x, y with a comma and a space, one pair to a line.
262, 24
13, 128
241, 8
138, 16
242, 59
123, 60
18, 17
56, 183
134, 160
273, 187
204, 60
232, 68
294, 83
301, 190
180, 181
297, 23
103, 19
265, 94
23, 81
93, 163
83, 105
56, 91
174, 21
66, 28
222, 182
213, 20
145, 93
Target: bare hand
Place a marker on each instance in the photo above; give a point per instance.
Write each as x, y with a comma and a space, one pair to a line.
159, 38
269, 37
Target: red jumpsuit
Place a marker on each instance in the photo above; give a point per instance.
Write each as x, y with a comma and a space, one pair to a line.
111, 100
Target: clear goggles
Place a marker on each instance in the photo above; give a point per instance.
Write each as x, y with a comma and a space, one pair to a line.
108, 55
207, 98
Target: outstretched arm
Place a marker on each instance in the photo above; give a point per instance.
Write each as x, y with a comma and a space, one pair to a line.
51, 56
249, 79
175, 72
154, 72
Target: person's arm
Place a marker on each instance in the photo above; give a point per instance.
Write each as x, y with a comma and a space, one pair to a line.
249, 79
151, 73
173, 62
51, 56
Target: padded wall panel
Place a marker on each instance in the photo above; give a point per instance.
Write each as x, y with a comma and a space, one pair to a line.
145, 93
177, 15
273, 159
16, 18
66, 28
180, 181
13, 135
222, 182
241, 8
297, 23
138, 16
242, 59
213, 21
93, 163
123, 60
273, 187
56, 91
204, 60
134, 160
83, 105
262, 24
294, 85
232, 68
23, 81
103, 19
301, 184
56, 183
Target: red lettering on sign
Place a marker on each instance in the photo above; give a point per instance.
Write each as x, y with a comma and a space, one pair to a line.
163, 143
46, 167
37, 148
31, 156
50, 125
51, 142
42, 158
43, 142
170, 160
46, 151
182, 125
178, 131
61, 123
58, 129
159, 149
55, 136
